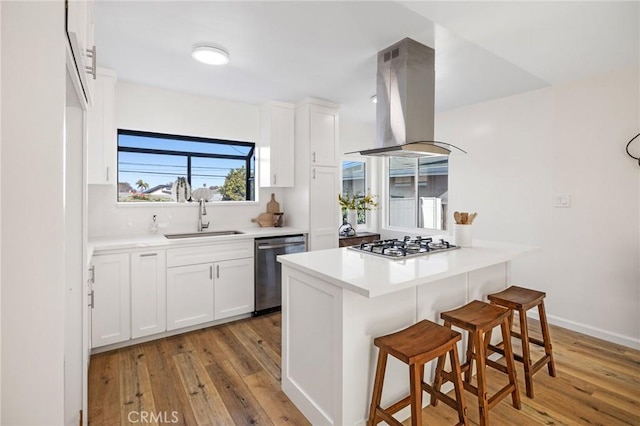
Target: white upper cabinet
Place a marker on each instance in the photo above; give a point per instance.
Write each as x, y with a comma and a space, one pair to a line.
80, 31
276, 144
323, 135
101, 130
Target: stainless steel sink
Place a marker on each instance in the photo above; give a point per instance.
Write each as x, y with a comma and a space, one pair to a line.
202, 234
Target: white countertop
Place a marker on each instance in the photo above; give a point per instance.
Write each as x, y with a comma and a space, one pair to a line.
372, 276
160, 241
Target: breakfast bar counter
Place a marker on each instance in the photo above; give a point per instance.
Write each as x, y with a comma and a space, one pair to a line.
335, 302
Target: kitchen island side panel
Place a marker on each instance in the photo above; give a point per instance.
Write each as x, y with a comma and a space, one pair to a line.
364, 319
312, 345
328, 354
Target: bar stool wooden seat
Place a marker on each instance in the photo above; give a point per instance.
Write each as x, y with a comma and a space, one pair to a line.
479, 318
415, 346
521, 300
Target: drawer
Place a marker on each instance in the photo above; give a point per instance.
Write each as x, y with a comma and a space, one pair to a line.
358, 239
209, 253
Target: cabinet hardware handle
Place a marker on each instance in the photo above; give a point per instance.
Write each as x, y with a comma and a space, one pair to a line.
314, 156
107, 173
92, 53
314, 174
92, 278
91, 303
148, 254
217, 271
210, 272
275, 179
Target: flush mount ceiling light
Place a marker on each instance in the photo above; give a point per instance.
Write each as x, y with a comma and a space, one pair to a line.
210, 55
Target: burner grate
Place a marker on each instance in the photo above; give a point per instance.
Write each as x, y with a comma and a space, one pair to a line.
404, 248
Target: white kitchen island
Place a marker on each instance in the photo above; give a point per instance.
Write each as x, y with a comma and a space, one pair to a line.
335, 302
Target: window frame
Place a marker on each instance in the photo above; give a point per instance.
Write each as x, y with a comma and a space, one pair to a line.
387, 210
249, 181
369, 223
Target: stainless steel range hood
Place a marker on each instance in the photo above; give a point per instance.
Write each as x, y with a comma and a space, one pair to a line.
405, 103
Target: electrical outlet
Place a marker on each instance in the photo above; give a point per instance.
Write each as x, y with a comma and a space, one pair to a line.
561, 200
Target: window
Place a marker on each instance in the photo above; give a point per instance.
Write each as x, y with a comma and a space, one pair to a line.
150, 163
418, 192
354, 184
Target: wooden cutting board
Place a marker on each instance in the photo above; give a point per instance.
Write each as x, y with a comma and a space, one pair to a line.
273, 206
264, 220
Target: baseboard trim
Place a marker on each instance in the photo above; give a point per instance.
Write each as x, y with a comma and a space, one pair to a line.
590, 331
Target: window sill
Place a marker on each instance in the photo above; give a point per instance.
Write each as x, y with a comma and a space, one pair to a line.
163, 204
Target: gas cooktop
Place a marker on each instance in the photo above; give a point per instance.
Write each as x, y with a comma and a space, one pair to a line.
405, 248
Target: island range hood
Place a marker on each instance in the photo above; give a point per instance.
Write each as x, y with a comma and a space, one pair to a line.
405, 103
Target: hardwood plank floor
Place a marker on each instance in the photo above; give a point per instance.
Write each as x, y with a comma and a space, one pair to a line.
230, 375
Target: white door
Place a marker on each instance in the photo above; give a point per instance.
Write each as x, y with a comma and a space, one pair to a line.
110, 316
148, 293
324, 217
189, 295
234, 287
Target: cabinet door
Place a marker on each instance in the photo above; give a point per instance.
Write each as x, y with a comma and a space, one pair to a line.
189, 295
148, 293
282, 145
80, 31
324, 219
101, 130
234, 287
110, 316
323, 136
277, 145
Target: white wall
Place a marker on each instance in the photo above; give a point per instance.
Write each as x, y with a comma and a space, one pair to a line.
33, 262
566, 139
157, 110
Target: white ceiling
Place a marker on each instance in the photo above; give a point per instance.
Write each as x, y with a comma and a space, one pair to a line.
287, 51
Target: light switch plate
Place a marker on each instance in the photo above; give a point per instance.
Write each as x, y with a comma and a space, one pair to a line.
561, 200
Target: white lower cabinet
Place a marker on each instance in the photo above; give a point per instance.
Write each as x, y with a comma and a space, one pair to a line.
233, 288
148, 293
141, 293
189, 295
110, 313
200, 293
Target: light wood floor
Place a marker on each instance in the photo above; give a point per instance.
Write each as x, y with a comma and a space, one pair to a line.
230, 375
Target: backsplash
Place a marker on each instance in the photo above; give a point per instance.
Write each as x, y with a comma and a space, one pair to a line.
108, 219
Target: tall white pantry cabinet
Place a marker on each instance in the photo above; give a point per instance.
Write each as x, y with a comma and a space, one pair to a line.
313, 203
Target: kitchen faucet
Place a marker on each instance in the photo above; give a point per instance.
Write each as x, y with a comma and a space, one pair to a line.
202, 211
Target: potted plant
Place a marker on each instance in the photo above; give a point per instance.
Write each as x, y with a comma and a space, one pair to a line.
355, 206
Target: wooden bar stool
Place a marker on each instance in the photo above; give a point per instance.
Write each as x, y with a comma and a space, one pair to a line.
479, 318
415, 346
521, 300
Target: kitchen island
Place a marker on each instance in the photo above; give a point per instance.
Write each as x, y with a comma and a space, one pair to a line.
335, 302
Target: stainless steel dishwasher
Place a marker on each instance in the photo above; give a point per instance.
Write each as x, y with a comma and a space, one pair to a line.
268, 285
